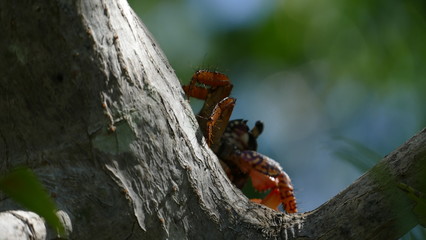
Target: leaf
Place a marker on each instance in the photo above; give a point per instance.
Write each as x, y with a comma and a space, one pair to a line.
24, 188
420, 209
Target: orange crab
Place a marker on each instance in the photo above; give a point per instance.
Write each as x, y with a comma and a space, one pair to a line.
235, 144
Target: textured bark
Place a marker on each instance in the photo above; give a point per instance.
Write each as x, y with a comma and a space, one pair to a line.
89, 102
21, 225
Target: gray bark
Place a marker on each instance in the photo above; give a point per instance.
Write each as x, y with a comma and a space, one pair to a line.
90, 103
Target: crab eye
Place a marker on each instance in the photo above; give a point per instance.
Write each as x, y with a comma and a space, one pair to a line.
257, 129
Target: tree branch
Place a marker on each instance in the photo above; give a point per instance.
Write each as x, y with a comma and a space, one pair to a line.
374, 207
89, 102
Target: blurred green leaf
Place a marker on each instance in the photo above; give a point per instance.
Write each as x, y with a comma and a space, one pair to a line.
24, 188
357, 154
420, 209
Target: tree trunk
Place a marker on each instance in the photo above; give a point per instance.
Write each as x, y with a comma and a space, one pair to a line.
90, 103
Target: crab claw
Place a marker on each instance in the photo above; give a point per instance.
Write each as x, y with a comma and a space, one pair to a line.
267, 174
273, 199
262, 182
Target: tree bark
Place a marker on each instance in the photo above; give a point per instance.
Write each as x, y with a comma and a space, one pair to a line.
90, 103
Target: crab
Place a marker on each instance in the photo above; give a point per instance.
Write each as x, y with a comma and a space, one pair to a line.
235, 144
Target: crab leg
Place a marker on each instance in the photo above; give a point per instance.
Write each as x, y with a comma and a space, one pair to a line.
195, 91
254, 161
287, 193
212, 79
225, 105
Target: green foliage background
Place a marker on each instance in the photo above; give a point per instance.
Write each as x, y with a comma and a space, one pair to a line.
337, 83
